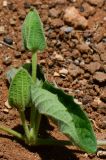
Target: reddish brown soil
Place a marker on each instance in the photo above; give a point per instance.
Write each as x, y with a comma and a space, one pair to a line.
82, 64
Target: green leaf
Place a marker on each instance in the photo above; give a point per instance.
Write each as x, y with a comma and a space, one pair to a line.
33, 33
19, 91
71, 120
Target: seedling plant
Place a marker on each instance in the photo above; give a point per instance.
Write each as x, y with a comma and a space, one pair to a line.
29, 88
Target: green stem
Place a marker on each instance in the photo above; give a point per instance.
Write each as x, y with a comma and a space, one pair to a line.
25, 126
34, 66
12, 132
35, 116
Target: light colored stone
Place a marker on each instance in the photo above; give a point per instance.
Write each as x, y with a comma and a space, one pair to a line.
5, 110
73, 17
59, 57
5, 3
63, 71
2, 30
56, 74
7, 105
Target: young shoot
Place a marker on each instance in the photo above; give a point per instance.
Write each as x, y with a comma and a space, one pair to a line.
29, 88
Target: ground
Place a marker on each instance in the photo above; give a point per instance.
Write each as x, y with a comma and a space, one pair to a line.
75, 60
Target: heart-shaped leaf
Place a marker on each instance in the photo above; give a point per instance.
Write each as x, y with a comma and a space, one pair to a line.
71, 120
19, 91
32, 32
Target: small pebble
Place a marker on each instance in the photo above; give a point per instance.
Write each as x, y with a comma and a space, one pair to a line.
8, 40
2, 30
68, 29
63, 71
5, 3
12, 22
56, 74
5, 110
59, 57
7, 105
7, 60
17, 54
76, 62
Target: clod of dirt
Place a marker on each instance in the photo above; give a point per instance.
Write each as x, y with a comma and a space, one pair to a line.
83, 48
74, 70
27, 5
98, 3
88, 10
99, 34
103, 57
99, 77
8, 40
103, 95
57, 22
73, 17
93, 67
54, 12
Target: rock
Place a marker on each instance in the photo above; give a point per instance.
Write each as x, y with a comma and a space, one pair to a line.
58, 57
93, 67
100, 77
73, 17
5, 110
17, 54
98, 3
57, 22
42, 61
5, 3
12, 22
8, 40
7, 60
7, 105
63, 71
103, 95
2, 30
54, 12
66, 29
56, 74
83, 48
